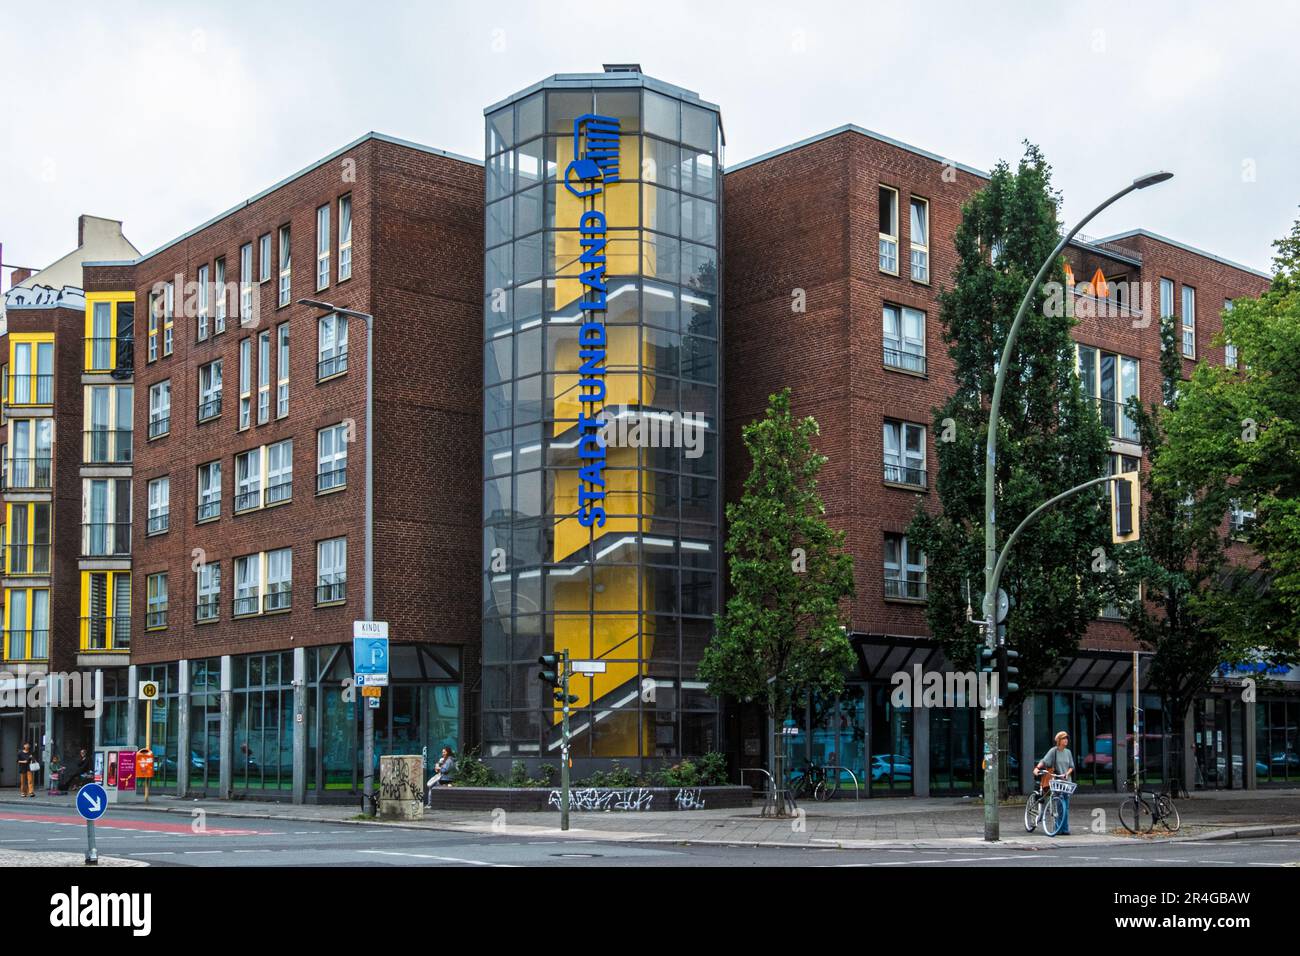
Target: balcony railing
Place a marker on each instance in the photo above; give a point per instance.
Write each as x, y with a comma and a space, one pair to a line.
32, 389
25, 474
905, 475
104, 539
280, 491
103, 633
210, 409
248, 500
28, 558
157, 617
158, 523
333, 365
332, 592
27, 645
278, 600
111, 354
905, 589
207, 511
207, 609
159, 426
329, 480
107, 446
246, 605
908, 361
1114, 415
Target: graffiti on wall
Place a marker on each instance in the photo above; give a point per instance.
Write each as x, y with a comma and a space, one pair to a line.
629, 798
44, 296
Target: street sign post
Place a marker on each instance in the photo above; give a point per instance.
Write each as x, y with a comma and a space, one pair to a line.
370, 666
148, 691
92, 803
587, 667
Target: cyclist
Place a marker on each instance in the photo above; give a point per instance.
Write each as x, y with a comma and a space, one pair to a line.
1060, 761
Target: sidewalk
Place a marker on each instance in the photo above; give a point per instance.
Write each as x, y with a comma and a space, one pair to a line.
874, 823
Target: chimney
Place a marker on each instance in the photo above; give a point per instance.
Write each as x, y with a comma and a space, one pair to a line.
19, 275
81, 230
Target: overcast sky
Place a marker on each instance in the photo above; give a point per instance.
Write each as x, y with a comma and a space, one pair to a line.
163, 114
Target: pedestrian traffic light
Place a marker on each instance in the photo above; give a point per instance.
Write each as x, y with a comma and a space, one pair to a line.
987, 661
550, 669
560, 698
1009, 672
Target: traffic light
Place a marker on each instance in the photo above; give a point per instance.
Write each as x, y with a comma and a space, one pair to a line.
987, 659
550, 669
1010, 673
560, 697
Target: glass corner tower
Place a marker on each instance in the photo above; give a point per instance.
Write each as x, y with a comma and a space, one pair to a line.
601, 453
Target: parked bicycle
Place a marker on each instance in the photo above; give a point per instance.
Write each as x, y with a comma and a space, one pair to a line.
1143, 809
814, 779
1045, 806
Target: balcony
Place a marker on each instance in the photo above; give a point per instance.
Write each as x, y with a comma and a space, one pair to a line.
159, 426
904, 475
206, 609
208, 511
908, 361
333, 365
114, 355
28, 474
280, 599
334, 591
25, 559
1114, 416
27, 645
103, 633
107, 446
280, 491
32, 389
102, 539
904, 589
158, 523
248, 500
329, 480
246, 605
210, 409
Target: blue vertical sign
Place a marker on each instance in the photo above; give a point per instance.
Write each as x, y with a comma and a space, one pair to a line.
370, 653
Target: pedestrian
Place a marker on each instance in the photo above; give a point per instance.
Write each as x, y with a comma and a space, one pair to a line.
442, 773
78, 773
1060, 761
27, 767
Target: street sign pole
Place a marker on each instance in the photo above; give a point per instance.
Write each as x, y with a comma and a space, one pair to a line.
92, 803
564, 742
148, 740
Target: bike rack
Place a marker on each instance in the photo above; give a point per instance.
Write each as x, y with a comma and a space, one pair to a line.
769, 791
857, 787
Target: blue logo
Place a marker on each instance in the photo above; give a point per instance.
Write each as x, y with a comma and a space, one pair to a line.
597, 161
92, 801
370, 655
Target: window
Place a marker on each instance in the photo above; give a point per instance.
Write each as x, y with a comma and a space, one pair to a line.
286, 266
219, 296
264, 377
101, 337
155, 320
156, 611
282, 370
904, 570
248, 585
1124, 497
920, 240
159, 505
27, 624
331, 345
279, 579
245, 383
904, 453
208, 592
889, 230
106, 517
279, 472
29, 454
1229, 350
245, 283
1189, 322
345, 238
331, 458
904, 338
248, 480
1166, 298
106, 600
1111, 380
209, 491
210, 390
108, 424
264, 258
1240, 518
169, 312
27, 549
203, 303
322, 247
160, 408
331, 571
32, 378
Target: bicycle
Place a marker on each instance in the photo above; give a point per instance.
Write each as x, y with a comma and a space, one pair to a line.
1143, 809
814, 779
1045, 805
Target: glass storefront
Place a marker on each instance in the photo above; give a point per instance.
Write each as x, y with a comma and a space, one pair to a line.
1277, 741
637, 592
205, 725
262, 706
165, 723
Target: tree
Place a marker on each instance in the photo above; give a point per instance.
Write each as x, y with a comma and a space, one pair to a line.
782, 631
1051, 437
1235, 433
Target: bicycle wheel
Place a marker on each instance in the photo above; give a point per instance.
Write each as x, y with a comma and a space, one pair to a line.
827, 786
1136, 816
1168, 813
1033, 810
1054, 818
797, 784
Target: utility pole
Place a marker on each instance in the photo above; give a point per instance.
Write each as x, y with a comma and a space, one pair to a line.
555, 672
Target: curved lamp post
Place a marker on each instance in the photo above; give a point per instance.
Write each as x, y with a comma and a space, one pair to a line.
991, 720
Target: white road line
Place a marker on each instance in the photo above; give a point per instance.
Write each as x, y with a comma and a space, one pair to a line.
155, 853
27, 840
60, 839
1129, 859
431, 856
1218, 862
1083, 858
1255, 863
198, 852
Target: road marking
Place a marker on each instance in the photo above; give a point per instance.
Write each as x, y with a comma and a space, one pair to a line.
27, 840
155, 853
200, 852
430, 856
1129, 859
60, 839
1256, 863
1083, 858
1218, 862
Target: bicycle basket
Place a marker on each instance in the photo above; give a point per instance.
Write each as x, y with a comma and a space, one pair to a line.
1064, 787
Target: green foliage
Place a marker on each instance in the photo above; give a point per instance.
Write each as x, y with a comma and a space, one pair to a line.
683, 774
713, 769
1050, 438
550, 774
782, 629
616, 776
471, 771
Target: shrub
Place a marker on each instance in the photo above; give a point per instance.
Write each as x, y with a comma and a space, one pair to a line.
473, 772
549, 774
683, 774
713, 769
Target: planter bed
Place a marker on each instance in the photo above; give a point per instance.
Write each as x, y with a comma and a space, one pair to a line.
594, 799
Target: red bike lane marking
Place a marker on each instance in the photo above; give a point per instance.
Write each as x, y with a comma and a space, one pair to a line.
151, 827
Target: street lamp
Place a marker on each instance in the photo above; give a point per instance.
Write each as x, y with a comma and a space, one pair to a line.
368, 718
990, 473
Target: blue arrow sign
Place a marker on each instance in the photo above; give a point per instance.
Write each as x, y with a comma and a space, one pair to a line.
92, 801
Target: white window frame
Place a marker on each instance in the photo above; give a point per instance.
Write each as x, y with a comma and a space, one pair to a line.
1166, 298
345, 237
279, 471
889, 241
902, 465
245, 282
331, 345
286, 265
210, 389
204, 288
1189, 321
1229, 350
209, 491
906, 571
207, 592
159, 496
155, 323
901, 342
331, 570
245, 383
169, 314
160, 407
920, 258
248, 584
249, 474
282, 370
264, 257
219, 294
333, 461
279, 579
264, 377
156, 601
322, 247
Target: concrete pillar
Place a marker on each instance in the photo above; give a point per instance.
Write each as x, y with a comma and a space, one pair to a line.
1119, 738
1189, 748
1027, 756
183, 729
921, 751
133, 735
1248, 740
47, 751
300, 725
226, 747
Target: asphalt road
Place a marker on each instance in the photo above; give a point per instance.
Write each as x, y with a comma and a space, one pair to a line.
163, 839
